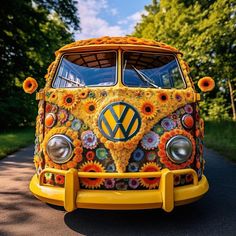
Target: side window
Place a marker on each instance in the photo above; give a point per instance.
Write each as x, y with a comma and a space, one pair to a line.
86, 69
165, 80
176, 78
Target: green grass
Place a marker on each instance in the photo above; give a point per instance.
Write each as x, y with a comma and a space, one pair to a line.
11, 141
221, 136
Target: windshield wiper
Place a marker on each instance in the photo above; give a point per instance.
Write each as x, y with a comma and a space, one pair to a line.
145, 78
71, 81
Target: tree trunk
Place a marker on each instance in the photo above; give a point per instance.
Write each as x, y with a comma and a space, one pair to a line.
231, 92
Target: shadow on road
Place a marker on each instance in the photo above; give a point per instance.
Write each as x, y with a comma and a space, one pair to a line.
214, 214
98, 222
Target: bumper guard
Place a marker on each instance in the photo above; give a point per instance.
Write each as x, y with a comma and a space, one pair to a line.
72, 197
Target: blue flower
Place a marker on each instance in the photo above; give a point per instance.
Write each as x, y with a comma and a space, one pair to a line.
76, 124
111, 167
168, 124
133, 167
138, 154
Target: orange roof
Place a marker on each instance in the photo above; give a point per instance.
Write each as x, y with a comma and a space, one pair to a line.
118, 40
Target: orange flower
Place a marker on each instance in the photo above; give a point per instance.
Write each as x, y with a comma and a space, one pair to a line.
77, 158
206, 84
90, 155
30, 85
53, 97
90, 106
50, 120
78, 150
71, 164
150, 183
77, 142
48, 108
68, 100
188, 121
148, 109
59, 179
162, 97
64, 167
83, 93
91, 166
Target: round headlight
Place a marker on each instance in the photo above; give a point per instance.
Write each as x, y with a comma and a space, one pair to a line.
59, 148
179, 149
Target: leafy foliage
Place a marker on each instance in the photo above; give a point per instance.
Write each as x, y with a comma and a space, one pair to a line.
30, 33
205, 32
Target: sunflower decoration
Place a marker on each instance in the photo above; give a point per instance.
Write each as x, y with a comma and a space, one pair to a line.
148, 109
189, 95
90, 106
148, 94
68, 100
53, 97
30, 85
164, 159
178, 97
206, 84
153, 182
92, 166
83, 93
163, 97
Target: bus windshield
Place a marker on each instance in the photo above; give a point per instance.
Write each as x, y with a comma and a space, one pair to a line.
86, 69
142, 69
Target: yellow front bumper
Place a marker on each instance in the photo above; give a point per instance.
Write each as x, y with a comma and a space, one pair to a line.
166, 197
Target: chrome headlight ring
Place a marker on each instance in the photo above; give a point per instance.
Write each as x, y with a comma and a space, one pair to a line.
59, 148
179, 149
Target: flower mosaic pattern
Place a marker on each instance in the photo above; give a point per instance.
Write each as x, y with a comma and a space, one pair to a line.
90, 146
150, 140
89, 140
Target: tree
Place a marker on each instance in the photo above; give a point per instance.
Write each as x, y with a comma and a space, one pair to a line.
30, 33
205, 32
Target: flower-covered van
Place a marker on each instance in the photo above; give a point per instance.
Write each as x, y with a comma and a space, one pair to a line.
118, 127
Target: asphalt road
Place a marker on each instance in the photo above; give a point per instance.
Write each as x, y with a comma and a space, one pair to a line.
22, 214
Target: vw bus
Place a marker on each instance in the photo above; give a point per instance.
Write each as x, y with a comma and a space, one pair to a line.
118, 127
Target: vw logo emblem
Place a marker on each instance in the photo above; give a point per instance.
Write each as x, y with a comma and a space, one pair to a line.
119, 121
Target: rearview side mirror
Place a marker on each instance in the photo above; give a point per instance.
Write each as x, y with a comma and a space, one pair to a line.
30, 85
206, 84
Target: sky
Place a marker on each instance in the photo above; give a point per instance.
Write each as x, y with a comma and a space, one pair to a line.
109, 17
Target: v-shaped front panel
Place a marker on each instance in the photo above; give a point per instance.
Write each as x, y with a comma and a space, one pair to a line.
119, 121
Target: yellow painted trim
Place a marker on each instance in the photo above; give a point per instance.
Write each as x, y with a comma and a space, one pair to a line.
72, 187
116, 46
167, 190
166, 197
119, 69
40, 95
197, 97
